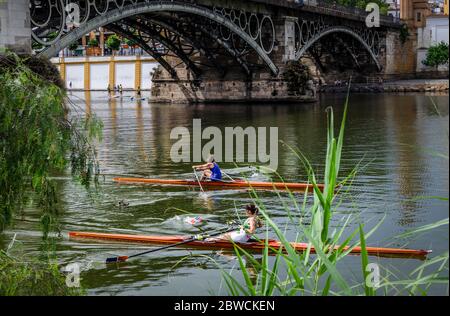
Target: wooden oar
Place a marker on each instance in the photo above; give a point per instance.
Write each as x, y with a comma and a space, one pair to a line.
198, 180
225, 174
195, 238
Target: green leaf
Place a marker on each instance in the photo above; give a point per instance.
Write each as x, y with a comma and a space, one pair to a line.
365, 262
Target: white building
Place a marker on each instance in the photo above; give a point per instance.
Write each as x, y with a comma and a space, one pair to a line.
394, 8
435, 31
436, 6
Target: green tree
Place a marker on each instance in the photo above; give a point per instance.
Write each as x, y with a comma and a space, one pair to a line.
113, 42
52, 35
38, 139
73, 46
437, 55
93, 42
130, 42
361, 4
36, 45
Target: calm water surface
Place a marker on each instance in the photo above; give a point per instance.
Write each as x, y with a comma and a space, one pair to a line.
395, 137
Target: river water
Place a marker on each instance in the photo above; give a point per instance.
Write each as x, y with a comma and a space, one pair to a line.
398, 140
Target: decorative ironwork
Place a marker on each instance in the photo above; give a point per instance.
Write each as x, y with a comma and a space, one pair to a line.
199, 36
309, 32
49, 25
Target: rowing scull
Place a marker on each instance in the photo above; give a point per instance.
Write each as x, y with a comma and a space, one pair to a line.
257, 246
223, 184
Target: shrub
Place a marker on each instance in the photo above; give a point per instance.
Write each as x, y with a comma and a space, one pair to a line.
296, 76
73, 46
93, 42
19, 277
437, 55
113, 42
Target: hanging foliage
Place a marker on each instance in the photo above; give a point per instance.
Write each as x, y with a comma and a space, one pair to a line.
404, 33
297, 76
362, 4
37, 139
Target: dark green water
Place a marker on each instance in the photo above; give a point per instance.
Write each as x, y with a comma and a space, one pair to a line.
395, 136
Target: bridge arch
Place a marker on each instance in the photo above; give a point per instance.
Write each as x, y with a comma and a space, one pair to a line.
156, 7
337, 29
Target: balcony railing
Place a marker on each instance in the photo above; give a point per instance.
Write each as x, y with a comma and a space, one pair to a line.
335, 9
86, 51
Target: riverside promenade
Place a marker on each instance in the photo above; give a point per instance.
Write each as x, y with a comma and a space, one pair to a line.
413, 85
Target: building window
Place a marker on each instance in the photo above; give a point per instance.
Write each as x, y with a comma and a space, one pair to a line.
419, 17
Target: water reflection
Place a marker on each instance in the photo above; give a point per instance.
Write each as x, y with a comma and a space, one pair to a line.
405, 133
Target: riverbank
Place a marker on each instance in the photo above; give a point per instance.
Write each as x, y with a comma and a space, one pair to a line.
416, 85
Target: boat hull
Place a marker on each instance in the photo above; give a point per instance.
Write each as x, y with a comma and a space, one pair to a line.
251, 246
223, 184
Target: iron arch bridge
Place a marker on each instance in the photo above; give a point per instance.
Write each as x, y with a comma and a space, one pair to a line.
153, 23
212, 37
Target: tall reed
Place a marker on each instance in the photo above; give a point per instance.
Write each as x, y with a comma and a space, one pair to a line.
288, 272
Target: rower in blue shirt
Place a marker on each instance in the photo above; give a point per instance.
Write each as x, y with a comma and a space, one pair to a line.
211, 170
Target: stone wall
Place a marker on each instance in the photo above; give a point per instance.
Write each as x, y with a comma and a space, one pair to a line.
404, 60
15, 30
220, 91
400, 59
394, 86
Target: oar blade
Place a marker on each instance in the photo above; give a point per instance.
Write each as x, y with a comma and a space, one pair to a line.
117, 259
199, 237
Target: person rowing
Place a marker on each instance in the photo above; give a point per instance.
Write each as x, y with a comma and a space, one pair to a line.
211, 170
247, 230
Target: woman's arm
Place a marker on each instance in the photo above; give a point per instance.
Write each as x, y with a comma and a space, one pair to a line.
203, 167
253, 227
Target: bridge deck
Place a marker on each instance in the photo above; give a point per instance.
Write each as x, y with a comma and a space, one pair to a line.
321, 7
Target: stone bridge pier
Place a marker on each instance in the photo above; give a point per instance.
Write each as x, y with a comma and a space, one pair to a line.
234, 82
15, 31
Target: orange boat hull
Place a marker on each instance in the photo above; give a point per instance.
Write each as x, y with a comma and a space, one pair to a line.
223, 184
252, 246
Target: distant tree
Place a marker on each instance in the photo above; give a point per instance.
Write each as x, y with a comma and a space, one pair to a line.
36, 45
93, 42
362, 4
130, 42
52, 35
113, 42
437, 55
73, 46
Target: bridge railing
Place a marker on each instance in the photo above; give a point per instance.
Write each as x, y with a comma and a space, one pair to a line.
332, 8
